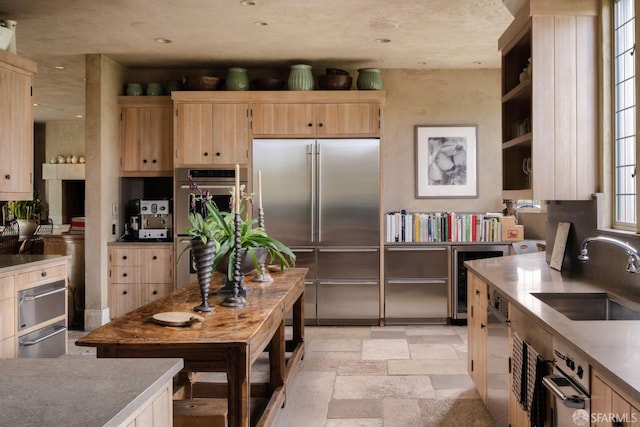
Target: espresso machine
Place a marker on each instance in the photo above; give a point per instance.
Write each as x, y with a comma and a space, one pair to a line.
150, 219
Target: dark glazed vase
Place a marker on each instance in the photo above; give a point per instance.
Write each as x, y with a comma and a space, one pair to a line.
246, 266
203, 255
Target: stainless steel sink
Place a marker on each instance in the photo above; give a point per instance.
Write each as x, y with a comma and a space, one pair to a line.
588, 306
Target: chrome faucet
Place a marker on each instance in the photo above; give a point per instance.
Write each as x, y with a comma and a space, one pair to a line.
634, 257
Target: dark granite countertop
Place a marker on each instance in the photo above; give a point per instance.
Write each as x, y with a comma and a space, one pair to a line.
611, 347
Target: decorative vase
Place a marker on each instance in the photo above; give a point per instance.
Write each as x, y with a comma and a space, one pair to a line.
134, 89
300, 77
27, 227
203, 254
154, 89
237, 79
369, 79
246, 266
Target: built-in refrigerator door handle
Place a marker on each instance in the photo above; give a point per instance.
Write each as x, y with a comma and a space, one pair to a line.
319, 187
312, 171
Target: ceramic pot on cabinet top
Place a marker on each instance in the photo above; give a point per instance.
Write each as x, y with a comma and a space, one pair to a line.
369, 79
300, 77
237, 79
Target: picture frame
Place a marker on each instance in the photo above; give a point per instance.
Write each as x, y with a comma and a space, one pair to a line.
446, 161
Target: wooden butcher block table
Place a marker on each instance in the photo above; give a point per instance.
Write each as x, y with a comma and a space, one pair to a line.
228, 340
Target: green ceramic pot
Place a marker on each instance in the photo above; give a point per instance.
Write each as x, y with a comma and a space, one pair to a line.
237, 79
300, 77
369, 79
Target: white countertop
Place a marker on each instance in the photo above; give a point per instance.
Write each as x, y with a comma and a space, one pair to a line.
611, 347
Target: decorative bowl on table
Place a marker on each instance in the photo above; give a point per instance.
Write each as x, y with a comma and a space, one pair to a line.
335, 82
202, 82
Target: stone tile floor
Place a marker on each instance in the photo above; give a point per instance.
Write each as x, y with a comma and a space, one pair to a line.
391, 376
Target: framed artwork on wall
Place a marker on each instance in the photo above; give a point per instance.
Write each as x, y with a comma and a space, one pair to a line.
446, 161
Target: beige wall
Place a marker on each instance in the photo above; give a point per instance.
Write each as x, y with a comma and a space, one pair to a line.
64, 137
442, 97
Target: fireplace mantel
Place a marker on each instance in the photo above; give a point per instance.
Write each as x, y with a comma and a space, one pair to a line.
53, 174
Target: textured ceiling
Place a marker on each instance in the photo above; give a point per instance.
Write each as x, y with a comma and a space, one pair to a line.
423, 34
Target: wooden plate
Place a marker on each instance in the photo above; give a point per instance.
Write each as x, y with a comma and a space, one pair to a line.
274, 268
176, 318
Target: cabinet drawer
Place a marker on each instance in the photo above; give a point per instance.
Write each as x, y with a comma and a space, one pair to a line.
7, 287
123, 256
416, 299
46, 273
416, 261
351, 263
153, 291
477, 290
125, 274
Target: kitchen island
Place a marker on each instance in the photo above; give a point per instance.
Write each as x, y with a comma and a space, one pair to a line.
228, 340
70, 391
611, 347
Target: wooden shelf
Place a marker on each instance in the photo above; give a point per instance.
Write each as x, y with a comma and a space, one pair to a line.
521, 91
520, 141
524, 194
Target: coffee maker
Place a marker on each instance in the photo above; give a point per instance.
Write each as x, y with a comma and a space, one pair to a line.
150, 219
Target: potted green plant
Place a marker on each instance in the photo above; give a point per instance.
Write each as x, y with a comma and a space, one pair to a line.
27, 213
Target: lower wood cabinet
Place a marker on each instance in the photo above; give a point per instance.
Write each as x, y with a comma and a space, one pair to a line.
477, 333
608, 405
138, 274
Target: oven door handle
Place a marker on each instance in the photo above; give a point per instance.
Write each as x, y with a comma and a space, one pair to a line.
58, 330
577, 400
43, 294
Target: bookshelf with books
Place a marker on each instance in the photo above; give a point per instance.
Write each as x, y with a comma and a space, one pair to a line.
442, 227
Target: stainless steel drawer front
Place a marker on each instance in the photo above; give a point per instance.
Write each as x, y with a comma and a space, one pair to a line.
49, 341
42, 303
423, 261
348, 263
416, 299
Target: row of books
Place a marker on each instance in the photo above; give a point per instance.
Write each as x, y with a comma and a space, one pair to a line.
443, 227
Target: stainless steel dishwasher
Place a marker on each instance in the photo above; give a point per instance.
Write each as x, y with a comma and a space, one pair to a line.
498, 366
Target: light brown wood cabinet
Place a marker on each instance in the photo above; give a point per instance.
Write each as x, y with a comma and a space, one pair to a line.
477, 333
550, 116
608, 403
211, 133
7, 316
138, 274
146, 136
16, 122
348, 119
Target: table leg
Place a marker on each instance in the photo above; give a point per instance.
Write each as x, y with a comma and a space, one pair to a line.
238, 370
277, 359
298, 321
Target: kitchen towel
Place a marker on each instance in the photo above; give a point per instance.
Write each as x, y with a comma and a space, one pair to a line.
537, 412
518, 364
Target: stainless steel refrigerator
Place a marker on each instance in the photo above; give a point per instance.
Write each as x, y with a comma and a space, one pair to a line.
321, 197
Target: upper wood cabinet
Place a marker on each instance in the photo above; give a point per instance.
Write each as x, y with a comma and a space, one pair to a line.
550, 116
146, 135
211, 133
216, 127
322, 119
16, 122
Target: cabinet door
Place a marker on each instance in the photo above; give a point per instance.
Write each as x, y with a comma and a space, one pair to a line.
152, 291
122, 255
16, 138
156, 265
348, 119
211, 133
146, 135
477, 327
283, 119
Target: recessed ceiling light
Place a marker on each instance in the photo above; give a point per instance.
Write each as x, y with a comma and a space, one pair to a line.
260, 23
477, 62
422, 63
35, 104
383, 40
248, 3
162, 40
79, 116
59, 67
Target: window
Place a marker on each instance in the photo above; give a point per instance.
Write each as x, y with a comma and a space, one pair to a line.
624, 109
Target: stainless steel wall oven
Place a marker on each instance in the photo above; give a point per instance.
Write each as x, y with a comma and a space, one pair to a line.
216, 182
